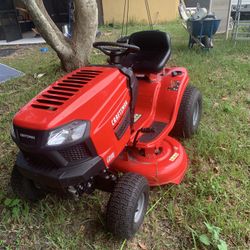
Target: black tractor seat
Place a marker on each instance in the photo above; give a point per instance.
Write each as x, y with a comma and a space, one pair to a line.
155, 51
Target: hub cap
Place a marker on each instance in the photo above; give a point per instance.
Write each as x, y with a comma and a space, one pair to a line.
139, 208
196, 113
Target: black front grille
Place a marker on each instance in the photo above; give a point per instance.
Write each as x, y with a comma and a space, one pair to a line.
39, 161
75, 153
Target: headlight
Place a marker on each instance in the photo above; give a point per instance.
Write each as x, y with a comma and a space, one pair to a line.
67, 134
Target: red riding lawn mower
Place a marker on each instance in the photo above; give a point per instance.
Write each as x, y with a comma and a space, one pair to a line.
107, 127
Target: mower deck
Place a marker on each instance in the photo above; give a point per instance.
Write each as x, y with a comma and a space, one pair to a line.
168, 165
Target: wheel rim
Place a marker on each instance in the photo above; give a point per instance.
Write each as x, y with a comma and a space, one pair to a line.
196, 113
139, 208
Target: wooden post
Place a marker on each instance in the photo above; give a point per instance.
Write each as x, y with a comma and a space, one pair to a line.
228, 18
100, 12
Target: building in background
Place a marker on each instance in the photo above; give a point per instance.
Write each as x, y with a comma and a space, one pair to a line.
160, 10
245, 9
16, 23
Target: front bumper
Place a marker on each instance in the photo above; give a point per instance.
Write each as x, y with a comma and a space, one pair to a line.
59, 178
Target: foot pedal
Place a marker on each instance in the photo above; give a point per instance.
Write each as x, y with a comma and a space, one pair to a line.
147, 130
152, 132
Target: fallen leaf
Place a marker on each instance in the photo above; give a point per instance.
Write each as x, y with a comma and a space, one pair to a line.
82, 228
210, 199
40, 75
211, 161
107, 33
37, 76
142, 246
216, 170
179, 214
216, 104
222, 148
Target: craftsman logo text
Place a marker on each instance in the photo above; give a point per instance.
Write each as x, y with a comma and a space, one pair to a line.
119, 114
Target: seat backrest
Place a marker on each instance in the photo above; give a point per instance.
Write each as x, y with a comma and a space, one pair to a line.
151, 40
155, 51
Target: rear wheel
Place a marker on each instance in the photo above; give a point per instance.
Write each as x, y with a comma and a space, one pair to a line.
127, 205
25, 188
189, 114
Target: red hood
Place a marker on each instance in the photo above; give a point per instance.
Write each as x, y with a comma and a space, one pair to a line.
63, 101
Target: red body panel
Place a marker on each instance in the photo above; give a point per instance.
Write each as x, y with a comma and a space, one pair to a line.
157, 101
101, 96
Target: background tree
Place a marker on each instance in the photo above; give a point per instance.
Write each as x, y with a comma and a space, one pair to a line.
73, 52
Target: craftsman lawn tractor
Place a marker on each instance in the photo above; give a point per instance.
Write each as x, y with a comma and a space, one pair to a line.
107, 127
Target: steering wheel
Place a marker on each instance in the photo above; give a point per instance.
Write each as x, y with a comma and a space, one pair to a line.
115, 49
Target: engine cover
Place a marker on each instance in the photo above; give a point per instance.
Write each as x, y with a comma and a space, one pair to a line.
99, 95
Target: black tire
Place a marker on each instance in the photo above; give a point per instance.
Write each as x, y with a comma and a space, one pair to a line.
189, 114
207, 42
25, 188
127, 205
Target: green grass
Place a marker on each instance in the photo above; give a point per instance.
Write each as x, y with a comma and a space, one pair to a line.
215, 189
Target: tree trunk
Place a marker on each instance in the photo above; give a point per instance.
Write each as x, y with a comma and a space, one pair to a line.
73, 52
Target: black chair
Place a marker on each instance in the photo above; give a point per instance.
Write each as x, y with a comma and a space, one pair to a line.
155, 51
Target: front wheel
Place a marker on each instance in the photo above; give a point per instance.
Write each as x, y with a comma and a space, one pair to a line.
189, 114
25, 188
127, 205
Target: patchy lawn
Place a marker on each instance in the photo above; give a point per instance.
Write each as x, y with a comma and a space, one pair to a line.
214, 193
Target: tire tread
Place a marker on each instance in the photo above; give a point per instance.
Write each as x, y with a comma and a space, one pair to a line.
121, 203
183, 127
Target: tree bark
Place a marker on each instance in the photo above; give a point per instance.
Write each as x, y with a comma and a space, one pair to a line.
73, 52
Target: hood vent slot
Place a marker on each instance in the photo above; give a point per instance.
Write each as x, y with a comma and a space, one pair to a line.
88, 75
89, 71
59, 93
43, 107
74, 81
63, 89
49, 102
81, 77
54, 97
69, 85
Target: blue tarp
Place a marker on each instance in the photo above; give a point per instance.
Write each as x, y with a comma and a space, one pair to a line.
7, 73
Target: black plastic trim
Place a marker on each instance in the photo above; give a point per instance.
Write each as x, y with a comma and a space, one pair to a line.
63, 177
123, 126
